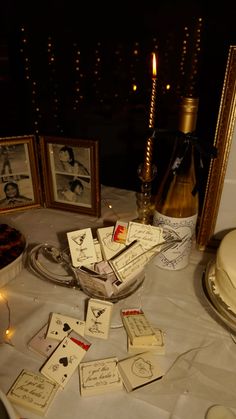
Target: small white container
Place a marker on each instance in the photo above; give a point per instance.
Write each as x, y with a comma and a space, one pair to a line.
10, 271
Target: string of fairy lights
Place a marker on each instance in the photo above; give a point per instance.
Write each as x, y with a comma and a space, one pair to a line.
51, 54
118, 68
78, 96
194, 64
31, 83
134, 83
189, 60
165, 64
182, 64
97, 73
6, 331
125, 79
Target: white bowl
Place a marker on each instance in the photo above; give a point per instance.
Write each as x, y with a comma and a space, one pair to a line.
10, 271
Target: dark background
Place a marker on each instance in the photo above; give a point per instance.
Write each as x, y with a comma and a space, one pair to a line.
45, 91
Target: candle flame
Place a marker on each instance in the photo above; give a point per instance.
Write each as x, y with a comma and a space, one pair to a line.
154, 64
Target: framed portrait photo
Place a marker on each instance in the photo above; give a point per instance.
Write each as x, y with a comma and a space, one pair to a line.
19, 174
70, 169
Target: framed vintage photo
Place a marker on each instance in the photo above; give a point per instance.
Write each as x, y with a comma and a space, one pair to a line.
70, 169
219, 208
19, 175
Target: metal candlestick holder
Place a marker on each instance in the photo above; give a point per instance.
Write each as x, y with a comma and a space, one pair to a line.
145, 206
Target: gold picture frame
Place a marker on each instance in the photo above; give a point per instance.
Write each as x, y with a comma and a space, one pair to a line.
224, 136
19, 174
70, 171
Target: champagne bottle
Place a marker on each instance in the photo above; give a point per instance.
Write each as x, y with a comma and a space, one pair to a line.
176, 203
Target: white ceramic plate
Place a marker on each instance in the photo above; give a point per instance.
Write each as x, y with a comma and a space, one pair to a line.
216, 303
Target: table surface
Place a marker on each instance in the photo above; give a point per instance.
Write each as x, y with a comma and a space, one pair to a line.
200, 353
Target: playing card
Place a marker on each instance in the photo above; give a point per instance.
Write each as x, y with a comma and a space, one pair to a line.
65, 359
41, 344
98, 318
60, 326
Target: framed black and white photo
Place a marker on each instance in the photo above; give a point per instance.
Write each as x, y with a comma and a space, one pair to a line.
70, 169
19, 175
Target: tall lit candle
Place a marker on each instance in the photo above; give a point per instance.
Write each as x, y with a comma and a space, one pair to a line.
147, 166
154, 92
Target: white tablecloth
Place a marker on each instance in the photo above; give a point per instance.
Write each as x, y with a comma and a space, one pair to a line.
200, 357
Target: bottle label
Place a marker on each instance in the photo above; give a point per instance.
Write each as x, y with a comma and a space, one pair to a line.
176, 255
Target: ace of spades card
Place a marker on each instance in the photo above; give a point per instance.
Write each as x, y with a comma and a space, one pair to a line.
60, 326
60, 366
98, 318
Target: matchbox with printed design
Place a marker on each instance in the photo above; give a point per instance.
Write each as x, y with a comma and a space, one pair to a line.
138, 327
140, 370
158, 346
99, 376
98, 318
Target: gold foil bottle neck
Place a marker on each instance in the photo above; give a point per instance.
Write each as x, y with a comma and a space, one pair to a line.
188, 114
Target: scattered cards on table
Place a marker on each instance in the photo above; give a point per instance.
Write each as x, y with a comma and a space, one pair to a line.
111, 262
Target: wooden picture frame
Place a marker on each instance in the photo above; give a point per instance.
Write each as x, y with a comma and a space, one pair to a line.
219, 208
70, 170
19, 174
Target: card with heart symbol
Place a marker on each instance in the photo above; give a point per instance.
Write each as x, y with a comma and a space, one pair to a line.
60, 366
60, 326
42, 345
